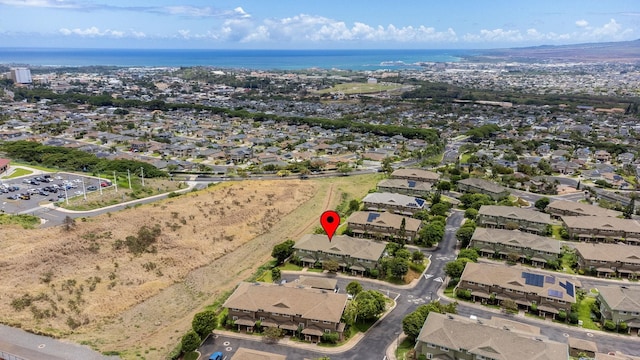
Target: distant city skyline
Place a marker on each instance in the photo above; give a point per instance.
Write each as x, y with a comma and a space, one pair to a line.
328, 24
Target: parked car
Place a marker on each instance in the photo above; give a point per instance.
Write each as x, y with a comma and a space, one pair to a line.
92, 188
25, 196
216, 356
12, 197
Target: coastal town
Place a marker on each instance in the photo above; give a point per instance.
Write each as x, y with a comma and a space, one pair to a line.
495, 214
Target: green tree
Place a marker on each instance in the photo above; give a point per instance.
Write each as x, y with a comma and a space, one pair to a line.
399, 267
354, 288
444, 186
542, 203
440, 209
276, 274
417, 256
628, 210
471, 213
431, 234
386, 165
204, 322
471, 254
282, 251
412, 323
190, 341
331, 266
455, 268
464, 235
272, 335
369, 305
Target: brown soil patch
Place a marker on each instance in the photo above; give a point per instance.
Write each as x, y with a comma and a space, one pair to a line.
210, 240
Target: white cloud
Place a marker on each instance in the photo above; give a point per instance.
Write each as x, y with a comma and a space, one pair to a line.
582, 23
41, 3
241, 13
497, 35
92, 32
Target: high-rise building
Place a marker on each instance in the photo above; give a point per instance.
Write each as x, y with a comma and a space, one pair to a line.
21, 75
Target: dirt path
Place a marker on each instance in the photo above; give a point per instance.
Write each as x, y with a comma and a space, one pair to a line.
153, 327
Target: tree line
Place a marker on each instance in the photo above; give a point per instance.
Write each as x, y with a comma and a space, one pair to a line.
73, 159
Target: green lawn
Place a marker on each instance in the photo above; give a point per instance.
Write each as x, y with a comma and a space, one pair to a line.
584, 313
18, 172
465, 158
360, 88
191, 356
403, 349
291, 267
555, 231
566, 261
42, 168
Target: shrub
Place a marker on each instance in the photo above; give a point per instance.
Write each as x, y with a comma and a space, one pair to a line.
463, 294
190, 341
331, 338
609, 325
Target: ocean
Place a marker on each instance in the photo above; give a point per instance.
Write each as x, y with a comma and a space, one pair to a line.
231, 59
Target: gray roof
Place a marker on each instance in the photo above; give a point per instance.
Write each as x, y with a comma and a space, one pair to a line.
418, 174
384, 219
484, 184
456, 333
342, 245
395, 200
296, 301
601, 223
516, 213
621, 298
516, 238
405, 184
582, 209
609, 252
513, 277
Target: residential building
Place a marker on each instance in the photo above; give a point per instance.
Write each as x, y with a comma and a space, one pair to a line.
571, 208
510, 217
384, 225
354, 254
475, 185
407, 187
294, 309
446, 336
580, 346
21, 75
531, 249
602, 229
609, 260
317, 282
620, 304
4, 165
418, 175
496, 282
395, 203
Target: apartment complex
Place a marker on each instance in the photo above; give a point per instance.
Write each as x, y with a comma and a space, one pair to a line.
481, 186
312, 312
509, 217
609, 260
531, 249
383, 225
602, 229
395, 203
561, 208
446, 336
488, 282
407, 187
620, 304
418, 175
353, 254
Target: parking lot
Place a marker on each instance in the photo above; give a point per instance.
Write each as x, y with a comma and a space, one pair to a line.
25, 194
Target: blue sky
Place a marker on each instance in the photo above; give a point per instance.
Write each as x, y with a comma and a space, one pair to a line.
309, 24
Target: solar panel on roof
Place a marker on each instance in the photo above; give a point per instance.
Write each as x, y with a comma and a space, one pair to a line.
570, 289
420, 202
372, 217
550, 279
533, 279
555, 293
411, 183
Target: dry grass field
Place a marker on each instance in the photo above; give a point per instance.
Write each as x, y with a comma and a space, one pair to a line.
85, 284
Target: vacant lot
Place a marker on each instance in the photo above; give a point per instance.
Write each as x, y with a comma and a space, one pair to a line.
360, 88
86, 285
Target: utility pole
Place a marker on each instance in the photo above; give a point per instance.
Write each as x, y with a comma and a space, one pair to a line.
66, 196
129, 177
84, 191
115, 180
142, 175
100, 184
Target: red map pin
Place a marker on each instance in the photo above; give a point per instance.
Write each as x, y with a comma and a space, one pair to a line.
330, 220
